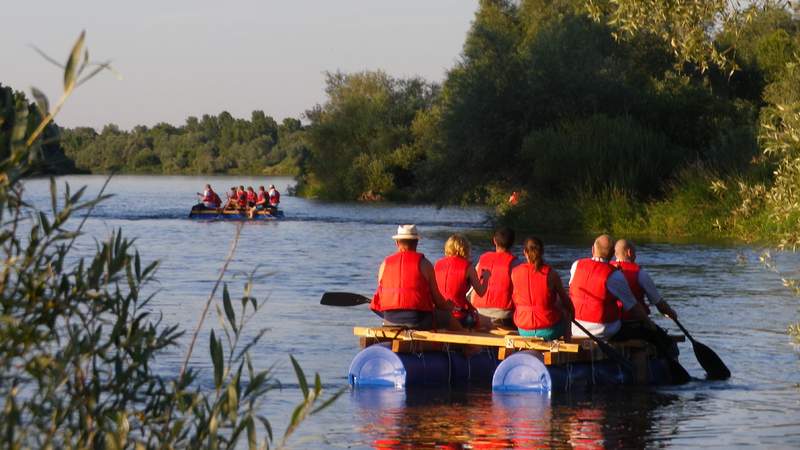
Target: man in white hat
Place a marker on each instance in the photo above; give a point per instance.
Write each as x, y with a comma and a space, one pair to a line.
407, 293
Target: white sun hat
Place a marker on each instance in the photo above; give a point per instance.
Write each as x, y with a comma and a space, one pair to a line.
406, 232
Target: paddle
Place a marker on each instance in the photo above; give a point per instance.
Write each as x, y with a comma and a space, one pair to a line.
712, 364
610, 351
343, 299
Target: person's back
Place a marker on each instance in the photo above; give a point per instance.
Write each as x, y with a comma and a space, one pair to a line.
589, 292
540, 302
402, 285
495, 306
407, 294
641, 285
451, 277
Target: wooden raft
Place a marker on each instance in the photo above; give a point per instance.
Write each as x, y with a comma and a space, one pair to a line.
506, 343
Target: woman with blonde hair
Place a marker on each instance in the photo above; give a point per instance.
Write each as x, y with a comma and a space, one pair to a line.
455, 275
542, 307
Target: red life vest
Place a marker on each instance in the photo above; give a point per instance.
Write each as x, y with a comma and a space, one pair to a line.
592, 301
451, 277
498, 294
631, 272
402, 285
534, 303
212, 198
262, 198
274, 197
251, 197
241, 198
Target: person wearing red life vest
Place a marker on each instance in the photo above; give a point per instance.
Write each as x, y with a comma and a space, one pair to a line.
232, 200
274, 196
594, 288
407, 294
639, 280
241, 198
251, 197
642, 286
495, 306
542, 307
209, 199
455, 275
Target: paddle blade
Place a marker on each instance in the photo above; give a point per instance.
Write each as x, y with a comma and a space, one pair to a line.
343, 299
712, 364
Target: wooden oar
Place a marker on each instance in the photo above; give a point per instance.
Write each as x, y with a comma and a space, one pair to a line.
712, 364
343, 299
610, 351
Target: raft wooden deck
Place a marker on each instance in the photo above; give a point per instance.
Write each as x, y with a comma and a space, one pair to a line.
506, 342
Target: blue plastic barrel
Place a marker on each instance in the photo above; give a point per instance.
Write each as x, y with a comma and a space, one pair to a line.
522, 371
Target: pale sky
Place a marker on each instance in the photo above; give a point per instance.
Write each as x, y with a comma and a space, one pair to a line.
191, 57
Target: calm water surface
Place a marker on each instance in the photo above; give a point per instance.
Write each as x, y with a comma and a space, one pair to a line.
722, 294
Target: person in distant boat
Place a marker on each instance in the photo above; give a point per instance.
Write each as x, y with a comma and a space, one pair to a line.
241, 198
455, 275
495, 306
407, 294
541, 305
231, 202
641, 285
251, 197
209, 198
274, 196
262, 201
594, 288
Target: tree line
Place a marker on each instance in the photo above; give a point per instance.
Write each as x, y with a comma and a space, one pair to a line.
211, 144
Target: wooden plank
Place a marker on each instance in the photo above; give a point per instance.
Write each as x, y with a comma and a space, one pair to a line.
466, 338
504, 353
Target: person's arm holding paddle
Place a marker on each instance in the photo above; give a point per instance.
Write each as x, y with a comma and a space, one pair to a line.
479, 285
653, 296
618, 286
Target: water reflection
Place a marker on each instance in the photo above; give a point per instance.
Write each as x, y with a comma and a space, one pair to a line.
477, 419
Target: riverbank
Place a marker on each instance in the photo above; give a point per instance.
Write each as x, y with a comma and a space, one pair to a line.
698, 206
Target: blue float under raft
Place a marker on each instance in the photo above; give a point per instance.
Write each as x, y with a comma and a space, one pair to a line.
398, 358
235, 214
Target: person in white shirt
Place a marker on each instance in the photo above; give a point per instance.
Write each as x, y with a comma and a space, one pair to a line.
639, 280
642, 286
595, 286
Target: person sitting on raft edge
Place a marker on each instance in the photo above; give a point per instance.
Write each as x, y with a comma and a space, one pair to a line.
274, 197
209, 199
454, 276
542, 307
594, 288
407, 294
642, 285
495, 307
233, 195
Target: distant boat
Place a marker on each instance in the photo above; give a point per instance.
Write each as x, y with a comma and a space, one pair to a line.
234, 214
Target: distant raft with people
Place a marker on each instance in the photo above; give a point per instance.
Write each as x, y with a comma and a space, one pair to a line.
235, 214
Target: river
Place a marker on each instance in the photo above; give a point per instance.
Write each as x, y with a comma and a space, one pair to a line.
722, 293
